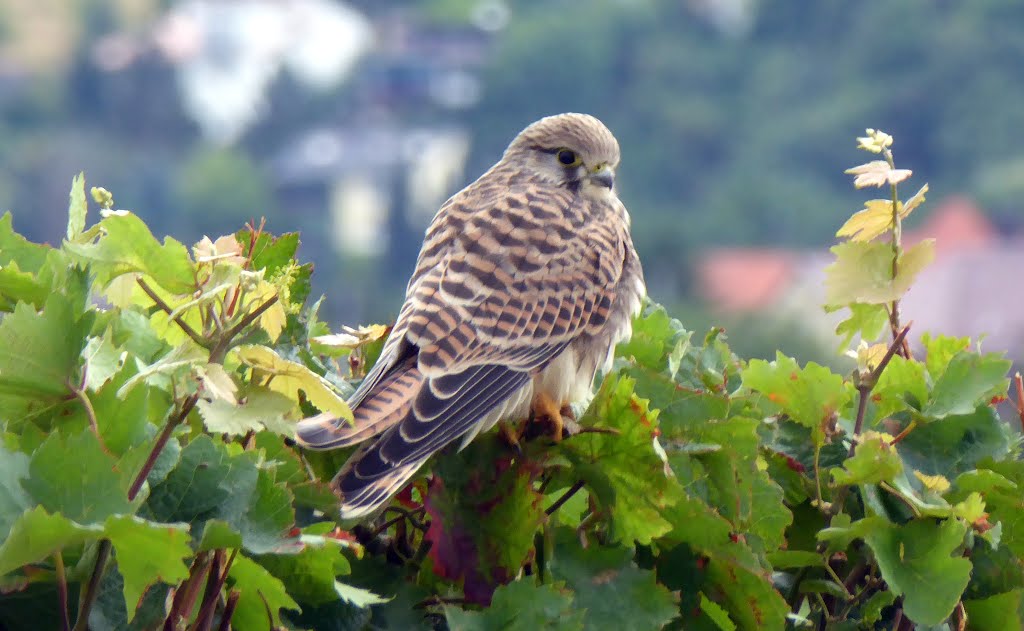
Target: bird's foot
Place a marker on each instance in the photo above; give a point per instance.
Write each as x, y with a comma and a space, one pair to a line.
544, 407
511, 433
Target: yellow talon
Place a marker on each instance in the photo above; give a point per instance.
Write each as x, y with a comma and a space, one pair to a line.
546, 407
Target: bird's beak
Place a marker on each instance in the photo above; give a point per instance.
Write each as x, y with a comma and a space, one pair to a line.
604, 176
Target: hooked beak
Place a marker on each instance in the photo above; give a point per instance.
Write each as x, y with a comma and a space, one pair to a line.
603, 176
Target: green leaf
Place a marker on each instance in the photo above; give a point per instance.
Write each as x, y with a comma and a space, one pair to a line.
811, 396
37, 534
866, 320
873, 461
122, 244
146, 553
259, 592
957, 443
862, 272
521, 606
13, 498
39, 355
916, 560
209, 483
77, 207
310, 575
790, 559
1002, 611
968, 380
17, 249
940, 350
901, 386
625, 474
613, 591
219, 534
90, 491
718, 615
658, 342
261, 409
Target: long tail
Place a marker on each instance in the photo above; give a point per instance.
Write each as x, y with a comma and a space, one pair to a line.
383, 408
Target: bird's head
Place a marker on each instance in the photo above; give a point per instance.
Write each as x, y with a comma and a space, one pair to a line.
574, 150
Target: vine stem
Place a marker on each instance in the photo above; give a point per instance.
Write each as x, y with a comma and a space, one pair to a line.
62, 591
198, 339
92, 587
103, 551
897, 247
229, 610
867, 384
220, 349
565, 497
1019, 386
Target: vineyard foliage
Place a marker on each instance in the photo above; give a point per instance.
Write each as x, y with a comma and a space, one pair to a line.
148, 394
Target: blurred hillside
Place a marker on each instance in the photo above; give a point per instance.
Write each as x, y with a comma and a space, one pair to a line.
353, 121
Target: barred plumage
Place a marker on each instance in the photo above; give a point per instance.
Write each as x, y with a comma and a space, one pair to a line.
526, 280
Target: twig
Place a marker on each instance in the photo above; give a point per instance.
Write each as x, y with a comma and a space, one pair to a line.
229, 610
1019, 383
209, 604
565, 497
858, 425
92, 587
161, 441
867, 384
906, 430
897, 620
62, 591
185, 595
897, 237
198, 339
896, 344
402, 515
103, 551
960, 616
221, 348
90, 411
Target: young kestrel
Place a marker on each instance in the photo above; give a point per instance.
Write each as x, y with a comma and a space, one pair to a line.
526, 280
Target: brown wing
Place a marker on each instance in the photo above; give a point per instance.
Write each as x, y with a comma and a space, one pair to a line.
508, 276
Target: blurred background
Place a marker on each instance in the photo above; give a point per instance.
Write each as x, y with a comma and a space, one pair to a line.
352, 121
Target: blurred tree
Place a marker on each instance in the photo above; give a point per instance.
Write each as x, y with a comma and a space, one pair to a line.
219, 190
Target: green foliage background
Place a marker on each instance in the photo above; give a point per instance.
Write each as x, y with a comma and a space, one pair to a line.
147, 475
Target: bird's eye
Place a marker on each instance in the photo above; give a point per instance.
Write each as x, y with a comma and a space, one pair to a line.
568, 157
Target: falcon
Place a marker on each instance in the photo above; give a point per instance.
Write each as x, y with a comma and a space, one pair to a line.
526, 281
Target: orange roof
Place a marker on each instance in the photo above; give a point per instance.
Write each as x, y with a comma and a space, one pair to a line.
744, 279
956, 224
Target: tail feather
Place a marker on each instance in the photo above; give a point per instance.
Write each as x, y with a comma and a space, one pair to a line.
363, 496
384, 407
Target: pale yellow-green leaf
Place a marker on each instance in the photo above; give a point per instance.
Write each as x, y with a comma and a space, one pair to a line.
224, 249
862, 272
275, 317
912, 262
351, 338
290, 377
865, 225
875, 141
273, 320
877, 173
914, 202
936, 483
218, 382
122, 290
971, 509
